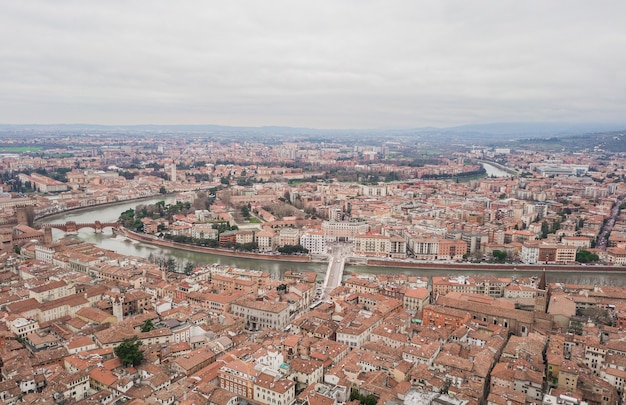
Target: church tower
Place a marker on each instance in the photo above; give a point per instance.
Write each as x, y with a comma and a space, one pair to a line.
173, 172
542, 298
118, 308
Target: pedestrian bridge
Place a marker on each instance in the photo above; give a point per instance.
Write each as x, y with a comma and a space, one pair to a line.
332, 280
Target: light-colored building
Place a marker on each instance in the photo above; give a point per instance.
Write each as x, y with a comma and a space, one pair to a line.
372, 245
344, 230
415, 299
536, 252
288, 236
314, 242
273, 389
266, 240
616, 255
354, 332
22, 326
203, 231
424, 248
51, 291
259, 315
530, 252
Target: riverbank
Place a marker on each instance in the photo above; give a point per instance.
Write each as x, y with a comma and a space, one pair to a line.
215, 251
495, 267
103, 205
490, 267
499, 166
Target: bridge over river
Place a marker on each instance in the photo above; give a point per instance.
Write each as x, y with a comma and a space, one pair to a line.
73, 227
334, 273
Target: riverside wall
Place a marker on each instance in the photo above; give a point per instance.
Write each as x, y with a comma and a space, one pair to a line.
497, 266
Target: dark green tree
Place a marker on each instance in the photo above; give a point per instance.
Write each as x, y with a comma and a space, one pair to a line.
499, 255
148, 326
170, 264
129, 352
291, 249
245, 212
585, 256
188, 270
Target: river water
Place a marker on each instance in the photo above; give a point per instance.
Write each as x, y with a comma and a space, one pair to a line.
276, 269
494, 171
122, 245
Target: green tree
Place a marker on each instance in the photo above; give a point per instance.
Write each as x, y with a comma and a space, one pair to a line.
499, 255
291, 249
245, 212
163, 190
188, 270
391, 176
365, 400
129, 351
148, 326
585, 256
170, 264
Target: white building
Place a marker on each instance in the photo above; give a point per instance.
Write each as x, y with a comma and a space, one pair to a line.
314, 242
22, 326
530, 253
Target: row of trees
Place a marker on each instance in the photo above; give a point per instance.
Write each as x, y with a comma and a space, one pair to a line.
170, 264
582, 256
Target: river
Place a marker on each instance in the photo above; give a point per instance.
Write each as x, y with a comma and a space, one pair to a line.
276, 269
122, 245
494, 171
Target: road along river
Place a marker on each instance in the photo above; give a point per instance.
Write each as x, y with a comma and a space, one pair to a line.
123, 245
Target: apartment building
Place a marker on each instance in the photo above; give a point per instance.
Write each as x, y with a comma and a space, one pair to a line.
314, 242
288, 236
535, 252
375, 245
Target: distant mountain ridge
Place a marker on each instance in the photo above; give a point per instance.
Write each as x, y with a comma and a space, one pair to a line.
485, 132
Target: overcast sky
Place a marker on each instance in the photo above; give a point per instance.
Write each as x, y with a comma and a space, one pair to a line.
322, 64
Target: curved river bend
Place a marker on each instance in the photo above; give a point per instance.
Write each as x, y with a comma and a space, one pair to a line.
276, 269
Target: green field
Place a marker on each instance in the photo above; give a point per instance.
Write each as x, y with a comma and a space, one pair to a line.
19, 149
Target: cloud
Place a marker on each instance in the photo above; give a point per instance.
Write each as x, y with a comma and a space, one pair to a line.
319, 64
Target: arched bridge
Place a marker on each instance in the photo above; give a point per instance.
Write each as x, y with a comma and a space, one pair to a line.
73, 227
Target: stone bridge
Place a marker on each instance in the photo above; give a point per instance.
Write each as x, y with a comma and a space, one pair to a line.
73, 227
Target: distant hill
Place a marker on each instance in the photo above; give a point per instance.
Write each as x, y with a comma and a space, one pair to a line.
613, 141
496, 134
